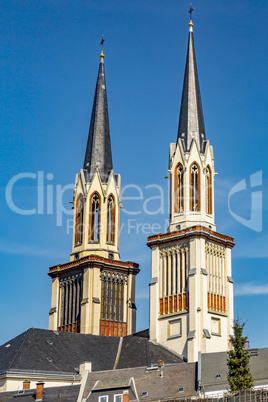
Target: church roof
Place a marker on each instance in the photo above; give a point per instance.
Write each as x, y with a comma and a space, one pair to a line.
191, 123
43, 350
98, 152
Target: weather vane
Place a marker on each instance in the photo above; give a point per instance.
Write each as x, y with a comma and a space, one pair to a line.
191, 11
102, 42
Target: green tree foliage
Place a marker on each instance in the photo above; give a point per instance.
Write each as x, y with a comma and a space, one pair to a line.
239, 375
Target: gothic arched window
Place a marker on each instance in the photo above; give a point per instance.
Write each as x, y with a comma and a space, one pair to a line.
94, 217
110, 219
194, 187
179, 202
78, 237
208, 190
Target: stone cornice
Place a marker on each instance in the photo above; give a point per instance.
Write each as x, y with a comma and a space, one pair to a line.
95, 261
195, 231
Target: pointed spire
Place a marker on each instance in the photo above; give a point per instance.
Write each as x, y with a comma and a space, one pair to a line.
191, 124
98, 152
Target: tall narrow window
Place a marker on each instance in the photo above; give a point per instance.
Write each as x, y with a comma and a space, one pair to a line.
111, 220
78, 238
208, 190
95, 218
179, 188
194, 188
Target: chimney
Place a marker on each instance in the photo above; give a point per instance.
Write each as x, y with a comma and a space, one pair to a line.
26, 384
86, 366
39, 390
125, 396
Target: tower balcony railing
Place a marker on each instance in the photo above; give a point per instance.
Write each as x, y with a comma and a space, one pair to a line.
113, 328
174, 304
75, 327
216, 303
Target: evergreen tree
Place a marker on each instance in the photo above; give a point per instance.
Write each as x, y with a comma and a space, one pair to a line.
239, 375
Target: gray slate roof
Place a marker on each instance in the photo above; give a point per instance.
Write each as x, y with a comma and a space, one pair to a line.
214, 368
161, 384
191, 113
98, 152
52, 394
43, 350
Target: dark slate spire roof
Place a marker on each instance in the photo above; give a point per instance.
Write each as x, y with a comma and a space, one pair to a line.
191, 124
98, 152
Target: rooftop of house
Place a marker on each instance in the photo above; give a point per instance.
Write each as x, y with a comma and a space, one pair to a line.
41, 350
52, 394
155, 383
214, 368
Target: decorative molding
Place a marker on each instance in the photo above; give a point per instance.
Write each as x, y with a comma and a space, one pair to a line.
84, 301
52, 310
96, 300
207, 333
94, 259
191, 335
192, 272
195, 231
113, 276
153, 281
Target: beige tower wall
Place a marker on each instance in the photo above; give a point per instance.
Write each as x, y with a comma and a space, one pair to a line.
198, 328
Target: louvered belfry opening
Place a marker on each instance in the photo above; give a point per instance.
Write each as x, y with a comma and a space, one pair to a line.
112, 304
71, 290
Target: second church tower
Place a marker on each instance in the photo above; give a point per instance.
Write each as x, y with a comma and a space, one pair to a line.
191, 292
94, 293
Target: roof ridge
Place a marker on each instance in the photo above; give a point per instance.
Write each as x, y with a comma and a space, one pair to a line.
117, 358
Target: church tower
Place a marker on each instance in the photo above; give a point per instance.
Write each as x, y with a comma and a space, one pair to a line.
191, 288
94, 293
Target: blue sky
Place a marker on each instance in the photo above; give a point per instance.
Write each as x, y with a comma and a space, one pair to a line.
49, 61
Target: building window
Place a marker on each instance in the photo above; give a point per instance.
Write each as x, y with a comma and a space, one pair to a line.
79, 205
103, 398
194, 188
208, 190
94, 218
111, 220
179, 173
118, 398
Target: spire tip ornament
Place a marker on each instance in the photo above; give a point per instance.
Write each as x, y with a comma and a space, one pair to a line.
191, 22
101, 43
